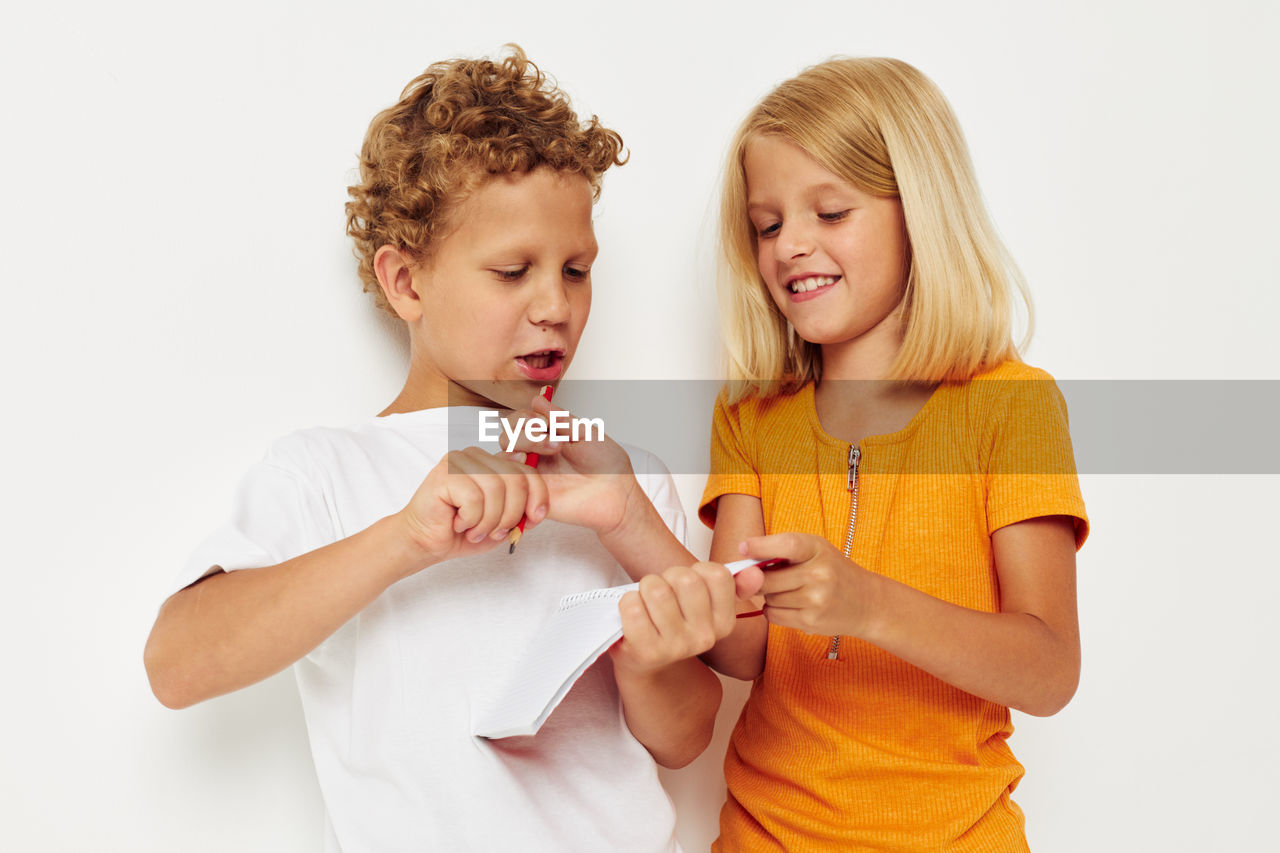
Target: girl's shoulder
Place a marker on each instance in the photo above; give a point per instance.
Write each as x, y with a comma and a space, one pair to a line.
786, 403
1012, 370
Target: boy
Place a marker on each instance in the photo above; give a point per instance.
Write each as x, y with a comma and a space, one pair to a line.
472, 222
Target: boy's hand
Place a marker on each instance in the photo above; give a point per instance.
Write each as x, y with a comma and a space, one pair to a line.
821, 592
673, 616
470, 501
590, 482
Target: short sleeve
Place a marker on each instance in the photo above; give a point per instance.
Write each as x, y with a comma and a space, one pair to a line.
277, 514
656, 481
1031, 471
732, 469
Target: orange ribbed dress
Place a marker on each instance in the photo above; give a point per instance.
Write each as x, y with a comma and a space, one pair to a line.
866, 751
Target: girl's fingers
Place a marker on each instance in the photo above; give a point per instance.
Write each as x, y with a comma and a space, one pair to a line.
794, 547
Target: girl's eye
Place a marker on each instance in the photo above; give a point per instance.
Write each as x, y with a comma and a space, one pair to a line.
833, 217
768, 231
576, 273
512, 275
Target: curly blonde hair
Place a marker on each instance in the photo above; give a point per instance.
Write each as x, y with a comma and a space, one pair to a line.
456, 124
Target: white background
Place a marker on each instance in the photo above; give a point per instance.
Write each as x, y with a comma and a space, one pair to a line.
178, 291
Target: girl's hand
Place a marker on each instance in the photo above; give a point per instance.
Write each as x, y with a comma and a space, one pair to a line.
590, 482
470, 501
821, 592
676, 615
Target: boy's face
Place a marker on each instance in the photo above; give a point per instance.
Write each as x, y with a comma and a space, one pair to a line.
505, 295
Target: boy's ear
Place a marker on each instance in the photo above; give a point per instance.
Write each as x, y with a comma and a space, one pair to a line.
395, 275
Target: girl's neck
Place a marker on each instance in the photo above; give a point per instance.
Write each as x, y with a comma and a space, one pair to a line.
854, 399
867, 357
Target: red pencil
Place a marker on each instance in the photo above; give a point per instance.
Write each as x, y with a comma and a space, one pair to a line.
530, 459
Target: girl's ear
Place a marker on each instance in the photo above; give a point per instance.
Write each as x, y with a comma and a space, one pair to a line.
395, 275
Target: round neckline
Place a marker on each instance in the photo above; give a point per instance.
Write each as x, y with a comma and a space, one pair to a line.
811, 410
431, 414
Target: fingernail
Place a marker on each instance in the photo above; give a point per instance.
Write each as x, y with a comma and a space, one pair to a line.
501, 534
540, 513
742, 548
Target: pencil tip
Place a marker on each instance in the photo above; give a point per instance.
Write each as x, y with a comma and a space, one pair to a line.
512, 549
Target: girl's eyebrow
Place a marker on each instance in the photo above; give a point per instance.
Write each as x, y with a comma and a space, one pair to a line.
814, 190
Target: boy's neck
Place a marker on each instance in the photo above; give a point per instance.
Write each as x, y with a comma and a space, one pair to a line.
416, 396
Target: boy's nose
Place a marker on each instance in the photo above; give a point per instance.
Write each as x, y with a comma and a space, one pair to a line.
550, 302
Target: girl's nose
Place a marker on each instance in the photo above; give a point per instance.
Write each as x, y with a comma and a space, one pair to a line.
793, 241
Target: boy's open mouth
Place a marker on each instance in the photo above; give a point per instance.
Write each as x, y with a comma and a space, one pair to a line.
543, 365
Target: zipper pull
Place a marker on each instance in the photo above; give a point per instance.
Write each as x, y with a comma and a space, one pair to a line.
855, 454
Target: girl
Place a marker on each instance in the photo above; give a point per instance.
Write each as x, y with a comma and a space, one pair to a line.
883, 437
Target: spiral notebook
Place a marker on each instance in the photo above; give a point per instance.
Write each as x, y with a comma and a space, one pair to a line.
583, 626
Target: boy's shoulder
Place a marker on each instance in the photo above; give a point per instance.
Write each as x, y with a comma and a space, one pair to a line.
311, 449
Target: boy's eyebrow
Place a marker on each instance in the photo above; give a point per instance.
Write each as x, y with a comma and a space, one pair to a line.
524, 249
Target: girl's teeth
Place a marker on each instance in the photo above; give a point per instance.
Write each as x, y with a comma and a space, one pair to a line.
804, 285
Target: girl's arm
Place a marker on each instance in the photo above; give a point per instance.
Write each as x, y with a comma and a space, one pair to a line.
1027, 656
233, 629
741, 654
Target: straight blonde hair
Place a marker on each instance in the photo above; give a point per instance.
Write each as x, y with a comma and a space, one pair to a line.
884, 127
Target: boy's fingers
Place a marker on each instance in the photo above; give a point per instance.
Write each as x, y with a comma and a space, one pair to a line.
467, 500
637, 625
479, 469
527, 493
694, 598
722, 596
523, 443
538, 499
661, 600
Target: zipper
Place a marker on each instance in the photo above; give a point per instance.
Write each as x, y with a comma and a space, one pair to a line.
855, 456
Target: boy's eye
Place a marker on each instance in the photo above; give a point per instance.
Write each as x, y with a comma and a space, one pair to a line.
512, 274
576, 273
834, 217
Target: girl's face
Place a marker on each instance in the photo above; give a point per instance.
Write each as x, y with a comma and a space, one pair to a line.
833, 257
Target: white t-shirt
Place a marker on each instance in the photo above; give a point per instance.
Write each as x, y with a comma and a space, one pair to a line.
388, 697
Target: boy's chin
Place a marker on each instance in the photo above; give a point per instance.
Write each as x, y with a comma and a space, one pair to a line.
494, 393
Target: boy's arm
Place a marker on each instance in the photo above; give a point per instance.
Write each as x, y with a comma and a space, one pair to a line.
669, 697
235, 628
